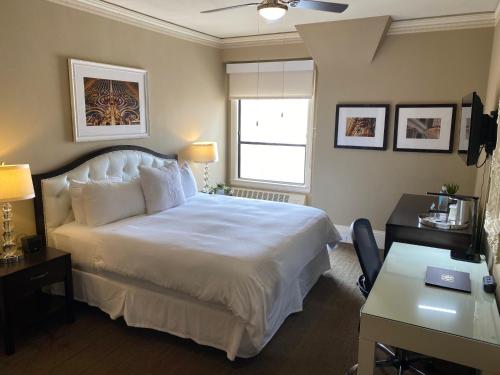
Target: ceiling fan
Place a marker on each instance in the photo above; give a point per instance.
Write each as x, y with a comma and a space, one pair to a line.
273, 10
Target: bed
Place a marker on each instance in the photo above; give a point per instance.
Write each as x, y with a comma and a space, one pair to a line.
222, 271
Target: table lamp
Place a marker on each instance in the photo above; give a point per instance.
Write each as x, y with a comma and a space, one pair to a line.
15, 185
204, 152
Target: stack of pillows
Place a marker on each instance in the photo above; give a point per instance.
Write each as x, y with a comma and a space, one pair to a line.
97, 203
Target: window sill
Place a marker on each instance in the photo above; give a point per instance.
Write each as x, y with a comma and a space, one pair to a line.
287, 188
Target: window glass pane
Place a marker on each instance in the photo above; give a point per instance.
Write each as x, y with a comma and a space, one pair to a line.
272, 163
274, 120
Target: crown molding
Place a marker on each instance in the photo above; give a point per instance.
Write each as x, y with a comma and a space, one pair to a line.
106, 9
467, 21
115, 12
261, 40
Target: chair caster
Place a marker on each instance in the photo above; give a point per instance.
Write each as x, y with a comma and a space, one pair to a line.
353, 370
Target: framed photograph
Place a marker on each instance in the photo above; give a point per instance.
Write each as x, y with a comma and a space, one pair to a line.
108, 101
465, 118
424, 127
362, 126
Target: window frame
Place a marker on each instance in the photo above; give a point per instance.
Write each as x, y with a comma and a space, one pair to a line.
235, 178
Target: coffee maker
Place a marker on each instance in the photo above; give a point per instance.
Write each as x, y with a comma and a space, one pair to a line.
455, 212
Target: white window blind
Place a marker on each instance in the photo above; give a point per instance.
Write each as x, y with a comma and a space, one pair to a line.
277, 79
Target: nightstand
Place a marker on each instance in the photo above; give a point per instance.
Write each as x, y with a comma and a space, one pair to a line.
19, 281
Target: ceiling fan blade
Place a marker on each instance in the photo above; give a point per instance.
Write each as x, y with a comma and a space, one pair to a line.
320, 5
227, 8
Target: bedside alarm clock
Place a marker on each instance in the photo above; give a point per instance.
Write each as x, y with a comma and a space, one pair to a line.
31, 244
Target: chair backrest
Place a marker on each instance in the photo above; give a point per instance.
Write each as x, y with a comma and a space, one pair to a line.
367, 251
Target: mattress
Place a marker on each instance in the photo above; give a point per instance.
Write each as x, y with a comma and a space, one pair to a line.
241, 255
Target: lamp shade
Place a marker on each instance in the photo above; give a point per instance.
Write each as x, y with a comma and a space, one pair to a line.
204, 152
15, 183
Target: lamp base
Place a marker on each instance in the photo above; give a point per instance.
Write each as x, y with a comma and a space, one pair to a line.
11, 257
206, 187
10, 253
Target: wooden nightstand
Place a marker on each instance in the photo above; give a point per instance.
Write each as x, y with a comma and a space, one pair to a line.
19, 281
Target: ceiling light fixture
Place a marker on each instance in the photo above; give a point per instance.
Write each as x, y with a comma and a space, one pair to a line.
272, 10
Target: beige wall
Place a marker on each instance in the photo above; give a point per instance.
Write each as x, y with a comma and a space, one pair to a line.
186, 86
436, 67
493, 94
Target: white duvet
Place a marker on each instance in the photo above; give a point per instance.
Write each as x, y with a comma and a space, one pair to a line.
240, 253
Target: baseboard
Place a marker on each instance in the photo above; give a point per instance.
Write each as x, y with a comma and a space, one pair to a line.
345, 232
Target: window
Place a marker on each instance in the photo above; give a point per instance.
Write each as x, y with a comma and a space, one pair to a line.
271, 107
272, 141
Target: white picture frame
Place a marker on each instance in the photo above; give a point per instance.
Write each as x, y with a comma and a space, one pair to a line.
361, 126
108, 102
424, 128
465, 117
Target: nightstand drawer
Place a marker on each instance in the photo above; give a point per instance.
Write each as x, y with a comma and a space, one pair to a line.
19, 286
22, 283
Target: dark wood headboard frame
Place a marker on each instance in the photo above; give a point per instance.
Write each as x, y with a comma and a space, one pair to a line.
37, 179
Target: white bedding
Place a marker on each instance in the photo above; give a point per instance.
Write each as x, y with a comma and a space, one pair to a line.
243, 254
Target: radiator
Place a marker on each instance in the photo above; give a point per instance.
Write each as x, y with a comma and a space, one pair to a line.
274, 196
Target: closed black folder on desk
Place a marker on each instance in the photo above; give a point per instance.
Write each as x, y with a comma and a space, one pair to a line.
448, 279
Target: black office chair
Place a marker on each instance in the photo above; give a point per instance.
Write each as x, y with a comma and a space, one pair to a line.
370, 262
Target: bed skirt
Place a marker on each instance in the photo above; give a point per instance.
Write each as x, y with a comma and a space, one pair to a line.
145, 305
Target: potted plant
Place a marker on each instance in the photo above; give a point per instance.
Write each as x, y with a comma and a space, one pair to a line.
444, 202
451, 189
221, 189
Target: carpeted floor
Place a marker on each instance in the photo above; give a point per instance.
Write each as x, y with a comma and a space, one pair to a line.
322, 339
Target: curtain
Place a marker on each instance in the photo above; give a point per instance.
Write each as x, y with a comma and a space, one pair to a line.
492, 215
276, 79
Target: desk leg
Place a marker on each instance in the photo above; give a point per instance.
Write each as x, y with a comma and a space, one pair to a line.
388, 240
366, 357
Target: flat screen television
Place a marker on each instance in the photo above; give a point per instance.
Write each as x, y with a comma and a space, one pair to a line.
478, 131
472, 128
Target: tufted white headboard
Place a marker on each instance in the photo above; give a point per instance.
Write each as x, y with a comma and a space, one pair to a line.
52, 200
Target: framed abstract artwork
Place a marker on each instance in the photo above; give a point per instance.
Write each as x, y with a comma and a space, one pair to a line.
108, 101
424, 127
361, 126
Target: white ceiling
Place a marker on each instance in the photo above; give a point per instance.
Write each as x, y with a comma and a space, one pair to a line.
245, 21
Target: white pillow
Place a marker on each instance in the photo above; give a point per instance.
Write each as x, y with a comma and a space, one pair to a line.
105, 201
188, 181
75, 192
162, 187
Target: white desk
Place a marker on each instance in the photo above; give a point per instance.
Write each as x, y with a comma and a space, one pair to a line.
403, 312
